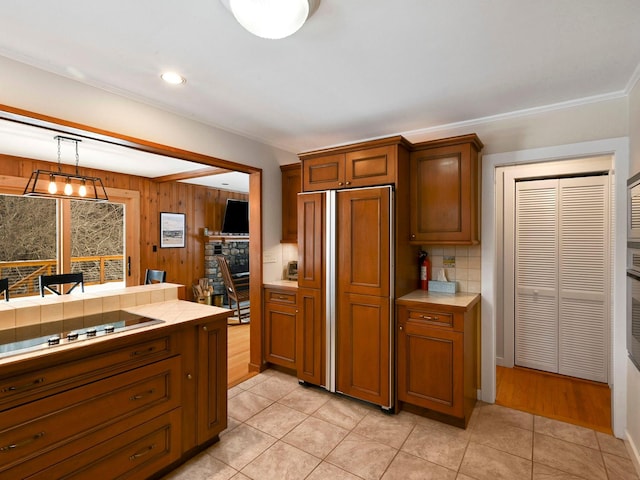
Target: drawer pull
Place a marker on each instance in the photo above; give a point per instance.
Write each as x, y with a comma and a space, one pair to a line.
15, 388
142, 395
281, 297
22, 443
137, 353
142, 453
430, 318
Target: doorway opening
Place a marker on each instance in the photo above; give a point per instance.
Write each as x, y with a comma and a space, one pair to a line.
548, 331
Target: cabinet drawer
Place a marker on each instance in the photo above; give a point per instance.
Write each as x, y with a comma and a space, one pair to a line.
138, 452
280, 296
431, 317
48, 423
21, 388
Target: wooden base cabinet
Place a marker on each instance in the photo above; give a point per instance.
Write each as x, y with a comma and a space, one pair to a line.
436, 360
127, 407
310, 339
280, 327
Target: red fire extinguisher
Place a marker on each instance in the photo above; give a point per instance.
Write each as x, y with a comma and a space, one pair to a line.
425, 270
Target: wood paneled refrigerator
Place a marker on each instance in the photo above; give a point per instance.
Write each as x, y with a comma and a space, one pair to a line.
345, 279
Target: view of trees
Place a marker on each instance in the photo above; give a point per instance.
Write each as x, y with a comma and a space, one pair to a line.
29, 233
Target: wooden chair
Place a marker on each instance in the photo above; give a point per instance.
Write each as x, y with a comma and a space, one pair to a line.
237, 291
154, 276
48, 282
4, 288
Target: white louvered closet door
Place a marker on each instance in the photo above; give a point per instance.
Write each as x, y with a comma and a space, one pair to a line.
562, 276
536, 275
584, 278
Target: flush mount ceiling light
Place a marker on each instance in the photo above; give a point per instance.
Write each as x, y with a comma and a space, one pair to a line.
173, 78
49, 183
272, 19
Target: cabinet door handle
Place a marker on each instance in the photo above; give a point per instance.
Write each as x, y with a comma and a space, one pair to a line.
348, 183
143, 352
22, 443
204, 328
413, 235
142, 453
140, 396
401, 328
340, 183
15, 388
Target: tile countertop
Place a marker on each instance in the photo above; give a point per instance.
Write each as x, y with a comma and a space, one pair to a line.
173, 313
461, 300
282, 284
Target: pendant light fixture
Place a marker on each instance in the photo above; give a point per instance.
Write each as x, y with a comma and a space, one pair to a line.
47, 183
272, 19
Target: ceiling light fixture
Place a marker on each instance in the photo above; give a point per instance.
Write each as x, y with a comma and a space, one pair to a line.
88, 188
173, 78
272, 19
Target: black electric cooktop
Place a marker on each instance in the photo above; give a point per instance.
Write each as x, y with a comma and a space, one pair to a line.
50, 335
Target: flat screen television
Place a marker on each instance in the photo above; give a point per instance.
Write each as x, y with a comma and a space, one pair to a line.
236, 217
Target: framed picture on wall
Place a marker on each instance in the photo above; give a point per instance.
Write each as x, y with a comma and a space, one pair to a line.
172, 230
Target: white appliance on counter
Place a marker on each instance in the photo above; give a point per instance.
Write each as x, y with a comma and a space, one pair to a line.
356, 288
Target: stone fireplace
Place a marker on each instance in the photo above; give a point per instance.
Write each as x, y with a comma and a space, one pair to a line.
237, 255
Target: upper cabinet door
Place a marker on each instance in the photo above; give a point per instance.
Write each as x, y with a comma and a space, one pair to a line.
364, 249
311, 230
372, 166
365, 164
323, 173
445, 193
291, 186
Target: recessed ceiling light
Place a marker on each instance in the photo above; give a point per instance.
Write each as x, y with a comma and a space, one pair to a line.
173, 78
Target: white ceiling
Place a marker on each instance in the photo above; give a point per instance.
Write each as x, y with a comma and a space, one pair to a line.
358, 69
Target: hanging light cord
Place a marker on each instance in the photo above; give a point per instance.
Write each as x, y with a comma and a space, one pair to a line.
77, 157
59, 163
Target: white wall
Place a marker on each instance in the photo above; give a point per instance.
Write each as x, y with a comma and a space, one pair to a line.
28, 88
633, 375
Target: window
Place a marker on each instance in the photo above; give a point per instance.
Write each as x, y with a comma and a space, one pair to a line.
30, 243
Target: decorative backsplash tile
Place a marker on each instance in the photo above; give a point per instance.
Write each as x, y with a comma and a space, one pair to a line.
460, 264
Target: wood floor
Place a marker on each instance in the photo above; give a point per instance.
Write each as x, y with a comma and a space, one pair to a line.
238, 354
571, 400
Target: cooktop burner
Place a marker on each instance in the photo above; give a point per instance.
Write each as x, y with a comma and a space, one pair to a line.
52, 334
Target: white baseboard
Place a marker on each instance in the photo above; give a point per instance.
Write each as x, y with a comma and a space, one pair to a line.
634, 454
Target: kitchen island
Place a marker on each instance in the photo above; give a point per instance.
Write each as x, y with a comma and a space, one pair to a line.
134, 402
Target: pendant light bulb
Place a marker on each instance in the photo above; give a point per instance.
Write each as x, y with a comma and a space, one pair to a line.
53, 188
68, 189
82, 191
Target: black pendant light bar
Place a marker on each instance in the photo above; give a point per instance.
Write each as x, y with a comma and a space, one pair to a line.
57, 184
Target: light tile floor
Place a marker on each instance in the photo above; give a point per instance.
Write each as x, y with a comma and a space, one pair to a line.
279, 430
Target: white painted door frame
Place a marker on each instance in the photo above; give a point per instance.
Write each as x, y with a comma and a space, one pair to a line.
491, 296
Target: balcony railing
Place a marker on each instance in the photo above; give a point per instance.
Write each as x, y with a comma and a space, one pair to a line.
23, 274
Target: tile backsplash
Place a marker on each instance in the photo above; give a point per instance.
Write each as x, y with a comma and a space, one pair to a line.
460, 264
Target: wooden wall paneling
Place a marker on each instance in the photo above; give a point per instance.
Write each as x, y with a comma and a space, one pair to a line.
203, 207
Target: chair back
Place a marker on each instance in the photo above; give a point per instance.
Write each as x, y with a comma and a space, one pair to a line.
49, 282
154, 276
226, 276
4, 288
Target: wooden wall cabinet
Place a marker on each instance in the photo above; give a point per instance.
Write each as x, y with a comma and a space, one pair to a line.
359, 165
291, 186
445, 191
436, 359
280, 327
